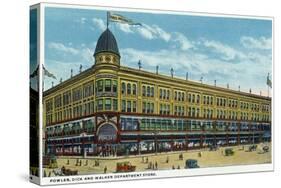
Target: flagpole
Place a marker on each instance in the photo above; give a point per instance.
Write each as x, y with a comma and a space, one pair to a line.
268, 90
107, 20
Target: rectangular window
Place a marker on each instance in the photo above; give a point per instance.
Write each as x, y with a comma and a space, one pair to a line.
129, 106
115, 105
100, 86
134, 106
107, 87
144, 107
107, 104
114, 86
151, 107
100, 104
123, 106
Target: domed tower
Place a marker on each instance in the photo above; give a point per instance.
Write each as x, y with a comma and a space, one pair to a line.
107, 63
107, 52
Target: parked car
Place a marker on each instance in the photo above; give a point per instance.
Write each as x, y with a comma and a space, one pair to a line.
229, 152
125, 167
191, 163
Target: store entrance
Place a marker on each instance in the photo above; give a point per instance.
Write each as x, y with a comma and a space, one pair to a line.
107, 137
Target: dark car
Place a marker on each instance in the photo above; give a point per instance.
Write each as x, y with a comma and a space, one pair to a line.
229, 152
191, 163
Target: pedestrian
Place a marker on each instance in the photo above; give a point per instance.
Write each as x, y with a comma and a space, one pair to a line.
105, 169
167, 159
146, 159
156, 165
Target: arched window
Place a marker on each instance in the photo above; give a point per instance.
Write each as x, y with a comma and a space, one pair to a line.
164, 94
152, 92
168, 94
148, 91
128, 89
123, 89
161, 94
134, 89
198, 99
193, 98
143, 91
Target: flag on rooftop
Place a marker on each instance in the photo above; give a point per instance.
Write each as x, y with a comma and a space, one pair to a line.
268, 81
113, 17
46, 73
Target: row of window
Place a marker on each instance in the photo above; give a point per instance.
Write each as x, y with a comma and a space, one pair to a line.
129, 106
106, 85
110, 85
164, 94
149, 107
107, 104
72, 128
128, 89
183, 125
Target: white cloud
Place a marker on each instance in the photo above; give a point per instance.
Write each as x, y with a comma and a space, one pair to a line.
228, 52
161, 33
99, 23
63, 48
182, 40
256, 43
246, 72
125, 28
145, 32
83, 20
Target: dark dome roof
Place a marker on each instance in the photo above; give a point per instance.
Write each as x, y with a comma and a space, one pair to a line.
107, 43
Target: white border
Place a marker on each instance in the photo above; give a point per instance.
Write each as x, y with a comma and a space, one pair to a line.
161, 173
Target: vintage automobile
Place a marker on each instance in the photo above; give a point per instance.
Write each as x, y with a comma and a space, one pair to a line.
228, 152
68, 172
252, 148
191, 163
125, 167
265, 149
50, 161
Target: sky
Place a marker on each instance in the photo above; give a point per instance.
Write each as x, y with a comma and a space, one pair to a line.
234, 51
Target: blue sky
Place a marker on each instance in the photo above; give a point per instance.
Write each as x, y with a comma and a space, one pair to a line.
233, 51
